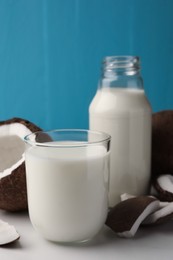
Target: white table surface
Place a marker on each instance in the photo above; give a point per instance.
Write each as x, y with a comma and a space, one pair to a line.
149, 243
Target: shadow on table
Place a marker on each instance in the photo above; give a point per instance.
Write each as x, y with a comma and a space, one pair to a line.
13, 245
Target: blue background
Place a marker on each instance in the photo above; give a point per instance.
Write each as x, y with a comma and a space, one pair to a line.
51, 51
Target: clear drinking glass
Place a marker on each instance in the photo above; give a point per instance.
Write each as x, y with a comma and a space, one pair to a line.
67, 174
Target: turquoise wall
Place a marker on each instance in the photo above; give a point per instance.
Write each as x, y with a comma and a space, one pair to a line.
51, 50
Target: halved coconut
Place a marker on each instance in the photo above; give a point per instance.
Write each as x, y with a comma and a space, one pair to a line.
13, 195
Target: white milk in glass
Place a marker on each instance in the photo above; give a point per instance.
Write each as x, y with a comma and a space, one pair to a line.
124, 113
67, 191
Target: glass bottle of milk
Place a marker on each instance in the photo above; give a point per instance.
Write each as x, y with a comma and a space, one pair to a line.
121, 109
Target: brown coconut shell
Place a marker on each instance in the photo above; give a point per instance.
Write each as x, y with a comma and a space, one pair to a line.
162, 143
13, 193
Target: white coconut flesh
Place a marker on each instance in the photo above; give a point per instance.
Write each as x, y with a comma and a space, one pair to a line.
8, 233
164, 211
12, 147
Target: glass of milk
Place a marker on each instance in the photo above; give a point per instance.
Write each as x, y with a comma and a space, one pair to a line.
67, 174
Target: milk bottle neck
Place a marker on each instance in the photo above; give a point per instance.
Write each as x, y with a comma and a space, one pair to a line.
121, 72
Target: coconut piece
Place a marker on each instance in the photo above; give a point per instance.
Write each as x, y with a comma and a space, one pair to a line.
164, 214
13, 195
164, 187
126, 217
8, 233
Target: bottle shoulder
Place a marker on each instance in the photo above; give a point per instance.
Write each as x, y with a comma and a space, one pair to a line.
118, 100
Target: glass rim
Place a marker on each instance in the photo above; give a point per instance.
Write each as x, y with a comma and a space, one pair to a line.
104, 138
